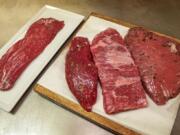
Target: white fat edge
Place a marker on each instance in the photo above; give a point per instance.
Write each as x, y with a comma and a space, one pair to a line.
173, 48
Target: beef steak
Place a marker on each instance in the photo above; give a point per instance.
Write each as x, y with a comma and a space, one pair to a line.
81, 73
119, 77
24, 51
158, 60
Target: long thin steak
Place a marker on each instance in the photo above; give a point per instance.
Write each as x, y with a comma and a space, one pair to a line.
81, 73
158, 59
120, 80
24, 51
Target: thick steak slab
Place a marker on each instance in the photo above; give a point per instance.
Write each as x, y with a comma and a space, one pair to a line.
24, 51
158, 60
81, 73
119, 77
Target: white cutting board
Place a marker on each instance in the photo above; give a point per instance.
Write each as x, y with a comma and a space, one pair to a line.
153, 120
8, 99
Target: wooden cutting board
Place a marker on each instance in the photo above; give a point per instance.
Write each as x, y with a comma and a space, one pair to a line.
97, 118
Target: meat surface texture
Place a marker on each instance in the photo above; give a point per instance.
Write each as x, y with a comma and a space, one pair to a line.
158, 60
119, 76
24, 51
81, 73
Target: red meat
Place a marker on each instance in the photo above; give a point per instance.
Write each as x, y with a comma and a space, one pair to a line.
24, 51
158, 60
119, 77
81, 73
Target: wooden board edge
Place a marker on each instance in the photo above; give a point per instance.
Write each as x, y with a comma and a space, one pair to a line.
111, 19
124, 23
94, 117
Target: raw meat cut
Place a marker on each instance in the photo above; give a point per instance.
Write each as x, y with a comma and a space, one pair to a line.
24, 51
158, 60
119, 77
81, 73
